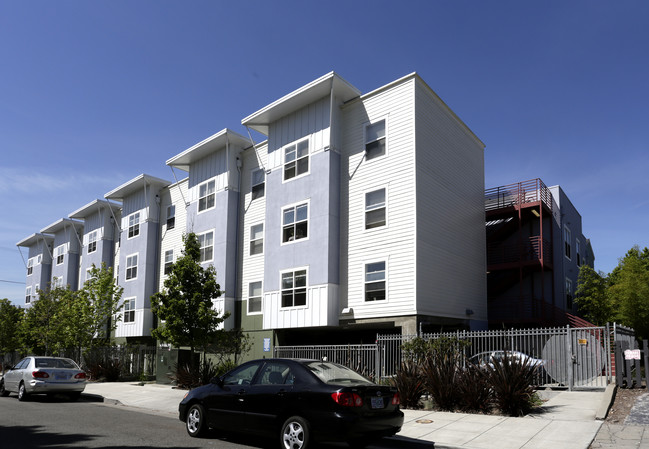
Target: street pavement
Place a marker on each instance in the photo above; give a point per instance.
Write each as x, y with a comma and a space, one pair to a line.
567, 419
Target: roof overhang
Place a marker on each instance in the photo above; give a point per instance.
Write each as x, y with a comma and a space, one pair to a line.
134, 185
34, 238
93, 207
62, 224
305, 95
208, 146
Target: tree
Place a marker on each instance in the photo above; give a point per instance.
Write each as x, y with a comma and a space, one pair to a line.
629, 290
10, 318
592, 296
186, 302
42, 329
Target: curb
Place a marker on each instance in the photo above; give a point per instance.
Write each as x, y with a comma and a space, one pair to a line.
607, 402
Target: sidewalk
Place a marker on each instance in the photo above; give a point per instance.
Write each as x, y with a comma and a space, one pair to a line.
566, 420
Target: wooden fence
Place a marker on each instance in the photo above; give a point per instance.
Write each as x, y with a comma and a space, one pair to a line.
632, 364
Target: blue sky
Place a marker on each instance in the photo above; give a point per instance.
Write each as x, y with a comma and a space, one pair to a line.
93, 93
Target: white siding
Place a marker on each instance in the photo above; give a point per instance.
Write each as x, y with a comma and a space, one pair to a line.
451, 270
320, 309
395, 242
175, 194
212, 166
141, 327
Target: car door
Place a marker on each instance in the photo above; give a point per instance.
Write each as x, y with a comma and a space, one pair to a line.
14, 375
268, 397
225, 405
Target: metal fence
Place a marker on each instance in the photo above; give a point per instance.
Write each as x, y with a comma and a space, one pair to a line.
571, 357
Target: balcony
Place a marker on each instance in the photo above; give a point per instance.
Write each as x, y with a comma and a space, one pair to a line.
521, 194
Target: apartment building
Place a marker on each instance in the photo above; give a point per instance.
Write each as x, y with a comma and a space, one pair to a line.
535, 247
39, 264
358, 214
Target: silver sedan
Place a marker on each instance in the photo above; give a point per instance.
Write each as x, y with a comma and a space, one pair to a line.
43, 375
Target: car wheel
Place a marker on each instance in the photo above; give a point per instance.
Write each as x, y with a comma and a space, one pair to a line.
22, 394
295, 433
196, 421
3, 392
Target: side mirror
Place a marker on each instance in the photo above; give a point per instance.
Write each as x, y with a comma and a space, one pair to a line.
217, 381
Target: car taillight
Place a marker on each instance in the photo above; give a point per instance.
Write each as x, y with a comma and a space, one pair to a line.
40, 375
347, 399
80, 376
396, 400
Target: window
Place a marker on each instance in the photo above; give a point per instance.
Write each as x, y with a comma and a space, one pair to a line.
257, 239
242, 375
578, 252
57, 282
171, 217
375, 281
294, 288
59, 254
375, 140
294, 223
134, 225
88, 274
258, 183
30, 266
206, 196
254, 297
275, 373
129, 310
568, 294
296, 159
375, 209
92, 242
169, 260
567, 238
37, 287
206, 242
131, 267
28, 295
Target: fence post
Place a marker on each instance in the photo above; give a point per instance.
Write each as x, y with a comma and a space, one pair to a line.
645, 357
569, 359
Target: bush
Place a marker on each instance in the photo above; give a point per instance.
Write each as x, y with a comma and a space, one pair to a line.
188, 377
474, 390
511, 381
111, 369
440, 368
410, 384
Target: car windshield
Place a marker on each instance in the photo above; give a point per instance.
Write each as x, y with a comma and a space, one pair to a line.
55, 363
334, 374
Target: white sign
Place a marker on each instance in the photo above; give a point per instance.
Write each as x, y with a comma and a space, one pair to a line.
266, 344
632, 354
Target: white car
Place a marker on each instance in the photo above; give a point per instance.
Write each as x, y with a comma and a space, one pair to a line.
486, 358
43, 375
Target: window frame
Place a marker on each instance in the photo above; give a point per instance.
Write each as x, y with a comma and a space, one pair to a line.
368, 125
567, 242
28, 295
92, 241
293, 271
569, 294
367, 282
30, 266
260, 296
59, 254
295, 222
171, 216
297, 159
133, 229
208, 196
257, 189
203, 248
168, 265
131, 270
578, 252
368, 209
129, 310
254, 242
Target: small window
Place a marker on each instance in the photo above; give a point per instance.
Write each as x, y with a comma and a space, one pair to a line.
294, 288
578, 252
92, 242
257, 239
206, 242
57, 282
275, 373
242, 375
131, 267
568, 294
258, 183
28, 295
375, 140
30, 266
254, 298
296, 160
295, 223
88, 274
567, 239
206, 196
169, 260
375, 209
129, 310
134, 225
59, 254
171, 217
375, 281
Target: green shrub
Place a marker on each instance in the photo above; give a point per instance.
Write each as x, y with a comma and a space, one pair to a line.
409, 382
440, 369
511, 380
474, 390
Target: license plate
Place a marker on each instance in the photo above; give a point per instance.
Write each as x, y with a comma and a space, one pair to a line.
377, 402
60, 377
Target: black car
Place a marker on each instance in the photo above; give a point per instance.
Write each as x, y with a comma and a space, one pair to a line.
296, 401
